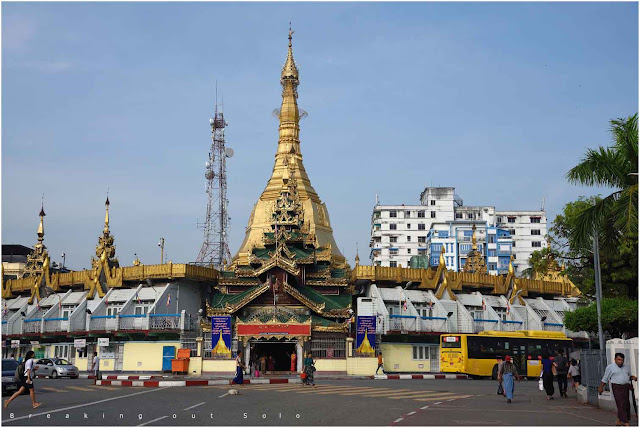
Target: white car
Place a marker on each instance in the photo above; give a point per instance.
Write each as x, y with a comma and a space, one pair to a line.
56, 367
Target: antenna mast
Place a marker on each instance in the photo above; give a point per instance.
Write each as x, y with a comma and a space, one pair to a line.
215, 248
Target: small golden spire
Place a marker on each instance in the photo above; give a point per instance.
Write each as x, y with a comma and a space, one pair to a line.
289, 70
106, 216
511, 265
41, 225
442, 262
473, 238
357, 256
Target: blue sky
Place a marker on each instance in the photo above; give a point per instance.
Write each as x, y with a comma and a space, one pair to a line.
499, 100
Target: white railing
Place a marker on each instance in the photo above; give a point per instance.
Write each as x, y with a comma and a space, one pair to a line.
31, 326
511, 325
552, 326
164, 322
99, 323
134, 322
56, 325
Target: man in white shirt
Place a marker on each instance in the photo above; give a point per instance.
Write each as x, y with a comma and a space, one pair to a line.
620, 377
95, 367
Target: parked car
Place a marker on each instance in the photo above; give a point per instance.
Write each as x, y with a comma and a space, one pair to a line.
9, 366
56, 367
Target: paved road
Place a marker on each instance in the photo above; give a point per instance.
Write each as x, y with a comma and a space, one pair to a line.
349, 402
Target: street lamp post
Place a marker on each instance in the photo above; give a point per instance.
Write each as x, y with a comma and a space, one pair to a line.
598, 281
64, 258
161, 245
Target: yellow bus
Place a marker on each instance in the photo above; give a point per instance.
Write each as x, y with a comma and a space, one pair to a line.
477, 354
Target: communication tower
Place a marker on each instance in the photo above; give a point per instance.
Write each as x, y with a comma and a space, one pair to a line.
215, 248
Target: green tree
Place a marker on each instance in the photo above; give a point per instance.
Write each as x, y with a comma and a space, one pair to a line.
618, 260
619, 318
540, 262
616, 215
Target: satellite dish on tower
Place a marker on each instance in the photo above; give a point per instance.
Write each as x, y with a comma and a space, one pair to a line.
228, 152
207, 164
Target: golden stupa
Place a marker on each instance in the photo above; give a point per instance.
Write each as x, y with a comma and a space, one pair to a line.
221, 347
365, 346
316, 216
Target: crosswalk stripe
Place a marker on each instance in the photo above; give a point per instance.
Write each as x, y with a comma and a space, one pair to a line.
355, 391
320, 388
47, 388
382, 391
444, 396
440, 398
79, 388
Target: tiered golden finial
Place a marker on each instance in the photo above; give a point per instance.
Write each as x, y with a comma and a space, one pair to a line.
105, 250
357, 256
36, 259
288, 166
475, 260
441, 261
511, 265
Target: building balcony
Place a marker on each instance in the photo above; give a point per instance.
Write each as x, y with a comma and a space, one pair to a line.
416, 324
508, 325
31, 326
550, 326
103, 323
56, 325
133, 322
164, 322
485, 325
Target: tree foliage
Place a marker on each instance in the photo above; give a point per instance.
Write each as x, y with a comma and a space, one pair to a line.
619, 318
616, 215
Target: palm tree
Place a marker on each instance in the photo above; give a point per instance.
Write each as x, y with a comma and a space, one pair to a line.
614, 167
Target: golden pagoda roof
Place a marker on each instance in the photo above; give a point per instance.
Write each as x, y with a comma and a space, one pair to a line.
288, 166
475, 260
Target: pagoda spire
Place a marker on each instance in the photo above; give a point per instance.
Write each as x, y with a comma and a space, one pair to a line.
41, 225
288, 168
106, 216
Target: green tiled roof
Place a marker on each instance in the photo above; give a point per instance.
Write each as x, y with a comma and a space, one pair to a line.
219, 300
330, 302
323, 322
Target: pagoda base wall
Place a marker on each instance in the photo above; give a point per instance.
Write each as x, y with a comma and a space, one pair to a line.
331, 366
219, 367
362, 366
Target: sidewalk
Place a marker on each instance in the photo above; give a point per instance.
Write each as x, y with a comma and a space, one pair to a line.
205, 380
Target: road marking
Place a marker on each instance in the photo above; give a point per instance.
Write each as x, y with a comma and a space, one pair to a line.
411, 413
155, 420
432, 396
440, 402
451, 399
351, 390
424, 407
398, 420
53, 389
195, 405
83, 405
224, 395
79, 388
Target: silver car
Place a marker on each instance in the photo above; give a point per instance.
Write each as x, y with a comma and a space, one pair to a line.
56, 367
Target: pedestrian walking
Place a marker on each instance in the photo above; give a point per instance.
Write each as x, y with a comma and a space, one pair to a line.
620, 377
562, 368
24, 378
547, 375
380, 365
308, 370
508, 374
500, 386
95, 368
574, 374
270, 365
239, 379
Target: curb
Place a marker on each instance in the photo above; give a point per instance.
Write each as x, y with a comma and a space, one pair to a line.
417, 376
162, 383
114, 377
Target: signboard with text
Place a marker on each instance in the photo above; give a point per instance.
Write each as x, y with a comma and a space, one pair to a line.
103, 341
221, 336
274, 330
80, 343
15, 343
366, 336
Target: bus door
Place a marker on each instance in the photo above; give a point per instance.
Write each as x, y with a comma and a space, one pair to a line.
520, 356
451, 355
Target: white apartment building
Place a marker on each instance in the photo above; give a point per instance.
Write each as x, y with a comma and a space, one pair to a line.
528, 230
399, 232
